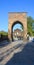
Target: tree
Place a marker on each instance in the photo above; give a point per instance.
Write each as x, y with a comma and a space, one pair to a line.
29, 24
33, 27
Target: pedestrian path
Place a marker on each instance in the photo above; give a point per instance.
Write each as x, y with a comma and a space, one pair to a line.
8, 51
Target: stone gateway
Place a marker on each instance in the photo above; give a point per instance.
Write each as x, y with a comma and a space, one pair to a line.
17, 17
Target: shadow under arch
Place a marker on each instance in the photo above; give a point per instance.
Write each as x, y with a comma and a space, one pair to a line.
15, 22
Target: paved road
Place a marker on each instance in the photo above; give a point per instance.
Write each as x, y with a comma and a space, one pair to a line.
4, 43
17, 53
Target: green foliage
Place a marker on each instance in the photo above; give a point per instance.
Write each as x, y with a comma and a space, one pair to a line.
30, 21
30, 27
3, 33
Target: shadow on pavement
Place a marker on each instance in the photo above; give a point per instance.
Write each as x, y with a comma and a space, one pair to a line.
3, 43
25, 57
9, 51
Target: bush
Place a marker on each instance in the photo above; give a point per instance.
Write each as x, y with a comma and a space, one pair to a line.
4, 37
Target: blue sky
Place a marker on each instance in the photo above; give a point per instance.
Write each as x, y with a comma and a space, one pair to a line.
14, 6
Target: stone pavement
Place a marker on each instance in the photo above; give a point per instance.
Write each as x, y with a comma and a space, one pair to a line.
17, 53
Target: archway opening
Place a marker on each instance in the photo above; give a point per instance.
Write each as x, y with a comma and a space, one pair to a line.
17, 31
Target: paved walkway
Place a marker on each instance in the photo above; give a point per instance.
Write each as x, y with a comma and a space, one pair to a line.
17, 53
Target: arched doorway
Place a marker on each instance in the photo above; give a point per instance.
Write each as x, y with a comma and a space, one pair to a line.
14, 17
17, 34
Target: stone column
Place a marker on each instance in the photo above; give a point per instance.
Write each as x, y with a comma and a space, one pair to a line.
9, 31
25, 35
25, 31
